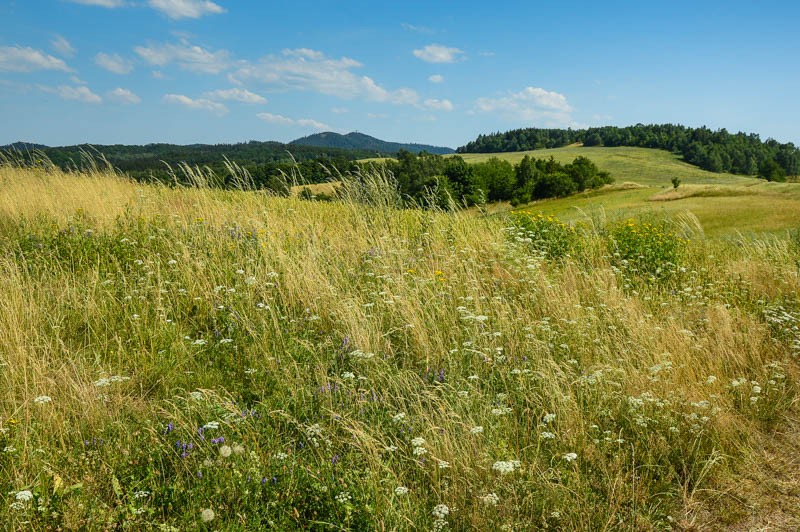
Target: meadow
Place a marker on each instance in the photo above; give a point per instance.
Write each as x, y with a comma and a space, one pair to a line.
189, 359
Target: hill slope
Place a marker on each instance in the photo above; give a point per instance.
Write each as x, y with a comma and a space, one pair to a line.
360, 141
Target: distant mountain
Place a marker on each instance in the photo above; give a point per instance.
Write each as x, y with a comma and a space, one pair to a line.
23, 146
360, 141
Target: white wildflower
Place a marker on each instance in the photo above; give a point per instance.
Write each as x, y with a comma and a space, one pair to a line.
225, 451
476, 430
418, 442
490, 499
400, 491
440, 511
24, 496
569, 457
42, 399
207, 515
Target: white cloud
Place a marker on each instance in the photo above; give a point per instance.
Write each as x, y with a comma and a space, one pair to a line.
124, 96
237, 95
339, 110
62, 46
200, 103
176, 9
187, 56
436, 53
79, 94
417, 29
26, 59
286, 121
532, 103
377, 116
438, 105
100, 3
436, 78
311, 70
113, 63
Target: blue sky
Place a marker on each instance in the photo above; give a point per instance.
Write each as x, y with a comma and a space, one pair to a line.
192, 71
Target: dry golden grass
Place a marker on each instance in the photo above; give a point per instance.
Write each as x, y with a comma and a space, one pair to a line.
466, 318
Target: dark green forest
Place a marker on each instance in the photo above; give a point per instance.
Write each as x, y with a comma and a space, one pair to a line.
715, 151
445, 182
265, 161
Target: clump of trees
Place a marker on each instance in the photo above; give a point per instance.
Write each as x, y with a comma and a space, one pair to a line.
715, 151
432, 180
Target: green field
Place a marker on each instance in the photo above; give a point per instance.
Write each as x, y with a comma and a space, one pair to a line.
723, 204
195, 358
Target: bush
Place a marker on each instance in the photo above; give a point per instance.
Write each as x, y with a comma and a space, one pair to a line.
646, 248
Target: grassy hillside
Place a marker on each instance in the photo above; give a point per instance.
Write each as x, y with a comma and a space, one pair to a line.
641, 165
191, 358
722, 204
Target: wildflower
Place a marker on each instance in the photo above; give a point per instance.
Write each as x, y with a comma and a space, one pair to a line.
207, 515
211, 425
344, 497
17, 506
476, 430
548, 418
400, 491
569, 457
440, 511
42, 399
419, 451
547, 435
238, 449
281, 456
141, 494
24, 496
348, 375
711, 379
225, 451
490, 499
443, 464
390, 448
418, 442
504, 467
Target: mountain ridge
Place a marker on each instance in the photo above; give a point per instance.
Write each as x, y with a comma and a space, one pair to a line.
356, 140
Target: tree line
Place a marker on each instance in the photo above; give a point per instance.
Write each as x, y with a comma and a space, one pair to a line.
433, 180
715, 151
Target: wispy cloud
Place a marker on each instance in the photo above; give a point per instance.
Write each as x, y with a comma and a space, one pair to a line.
26, 59
339, 110
78, 94
100, 3
237, 95
417, 29
286, 121
310, 70
123, 96
436, 78
530, 104
437, 53
177, 9
62, 46
113, 63
438, 105
187, 56
174, 9
199, 103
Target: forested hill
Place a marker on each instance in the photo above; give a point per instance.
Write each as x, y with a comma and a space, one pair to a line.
361, 141
716, 151
262, 159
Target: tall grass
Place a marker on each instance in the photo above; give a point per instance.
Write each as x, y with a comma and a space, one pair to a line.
178, 358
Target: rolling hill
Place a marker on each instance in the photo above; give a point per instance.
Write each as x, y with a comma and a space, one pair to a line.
360, 141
